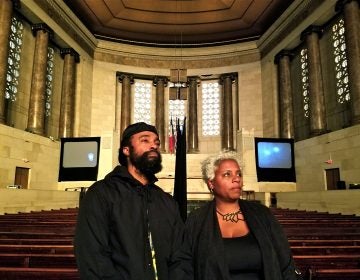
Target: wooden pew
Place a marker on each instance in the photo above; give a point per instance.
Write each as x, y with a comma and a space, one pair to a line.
39, 227
37, 249
308, 213
39, 215
324, 242
304, 262
26, 221
324, 250
325, 233
333, 274
354, 219
37, 241
317, 224
37, 260
293, 229
36, 234
38, 245
320, 242
27, 273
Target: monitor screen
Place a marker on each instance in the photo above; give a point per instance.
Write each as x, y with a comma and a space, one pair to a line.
275, 159
80, 154
79, 159
274, 155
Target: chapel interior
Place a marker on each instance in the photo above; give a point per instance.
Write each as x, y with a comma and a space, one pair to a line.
233, 71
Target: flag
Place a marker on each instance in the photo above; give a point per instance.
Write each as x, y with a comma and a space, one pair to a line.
180, 184
171, 137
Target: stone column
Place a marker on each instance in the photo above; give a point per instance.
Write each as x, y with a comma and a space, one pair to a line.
36, 115
192, 136
160, 83
351, 12
126, 80
227, 129
316, 90
117, 106
66, 122
236, 104
6, 12
282, 60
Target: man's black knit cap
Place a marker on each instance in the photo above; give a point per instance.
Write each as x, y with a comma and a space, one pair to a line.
136, 128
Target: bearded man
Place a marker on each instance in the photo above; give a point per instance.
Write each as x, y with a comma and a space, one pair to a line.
129, 228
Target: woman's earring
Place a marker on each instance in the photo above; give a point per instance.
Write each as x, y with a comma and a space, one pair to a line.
211, 188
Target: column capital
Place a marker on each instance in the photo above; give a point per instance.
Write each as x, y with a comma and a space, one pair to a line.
232, 77
157, 79
121, 76
311, 29
42, 26
71, 52
339, 6
283, 53
193, 79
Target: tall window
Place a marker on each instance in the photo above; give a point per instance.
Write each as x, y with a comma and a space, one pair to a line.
142, 101
342, 77
305, 81
49, 81
177, 111
210, 91
13, 67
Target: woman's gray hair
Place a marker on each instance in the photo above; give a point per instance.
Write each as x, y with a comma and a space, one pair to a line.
211, 163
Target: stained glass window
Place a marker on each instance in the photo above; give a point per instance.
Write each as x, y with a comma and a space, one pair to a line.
49, 81
142, 101
13, 67
342, 77
305, 81
210, 92
177, 111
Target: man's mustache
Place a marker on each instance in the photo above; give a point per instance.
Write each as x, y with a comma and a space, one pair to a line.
149, 152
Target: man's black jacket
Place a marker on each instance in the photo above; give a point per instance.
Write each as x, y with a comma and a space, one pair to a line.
111, 239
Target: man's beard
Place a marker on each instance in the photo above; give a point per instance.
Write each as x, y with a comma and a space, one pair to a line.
145, 164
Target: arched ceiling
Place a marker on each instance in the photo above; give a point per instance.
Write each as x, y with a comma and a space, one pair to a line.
178, 22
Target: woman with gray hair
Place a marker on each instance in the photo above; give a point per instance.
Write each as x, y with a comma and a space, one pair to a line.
230, 238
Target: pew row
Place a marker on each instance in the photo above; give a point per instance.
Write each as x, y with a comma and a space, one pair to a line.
27, 273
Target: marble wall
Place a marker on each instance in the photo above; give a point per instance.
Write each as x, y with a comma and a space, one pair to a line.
39, 155
18, 200
342, 147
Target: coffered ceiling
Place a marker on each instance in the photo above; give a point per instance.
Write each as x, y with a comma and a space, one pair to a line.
178, 22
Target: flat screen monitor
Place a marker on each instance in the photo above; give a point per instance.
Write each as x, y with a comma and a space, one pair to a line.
79, 159
275, 159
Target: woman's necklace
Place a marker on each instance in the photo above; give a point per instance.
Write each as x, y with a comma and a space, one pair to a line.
231, 217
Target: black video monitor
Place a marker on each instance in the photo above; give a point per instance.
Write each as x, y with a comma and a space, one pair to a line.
79, 159
275, 159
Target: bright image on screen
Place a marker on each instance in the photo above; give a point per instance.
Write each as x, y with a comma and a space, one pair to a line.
80, 154
274, 155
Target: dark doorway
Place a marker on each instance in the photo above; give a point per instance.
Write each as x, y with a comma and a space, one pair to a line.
22, 177
332, 178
